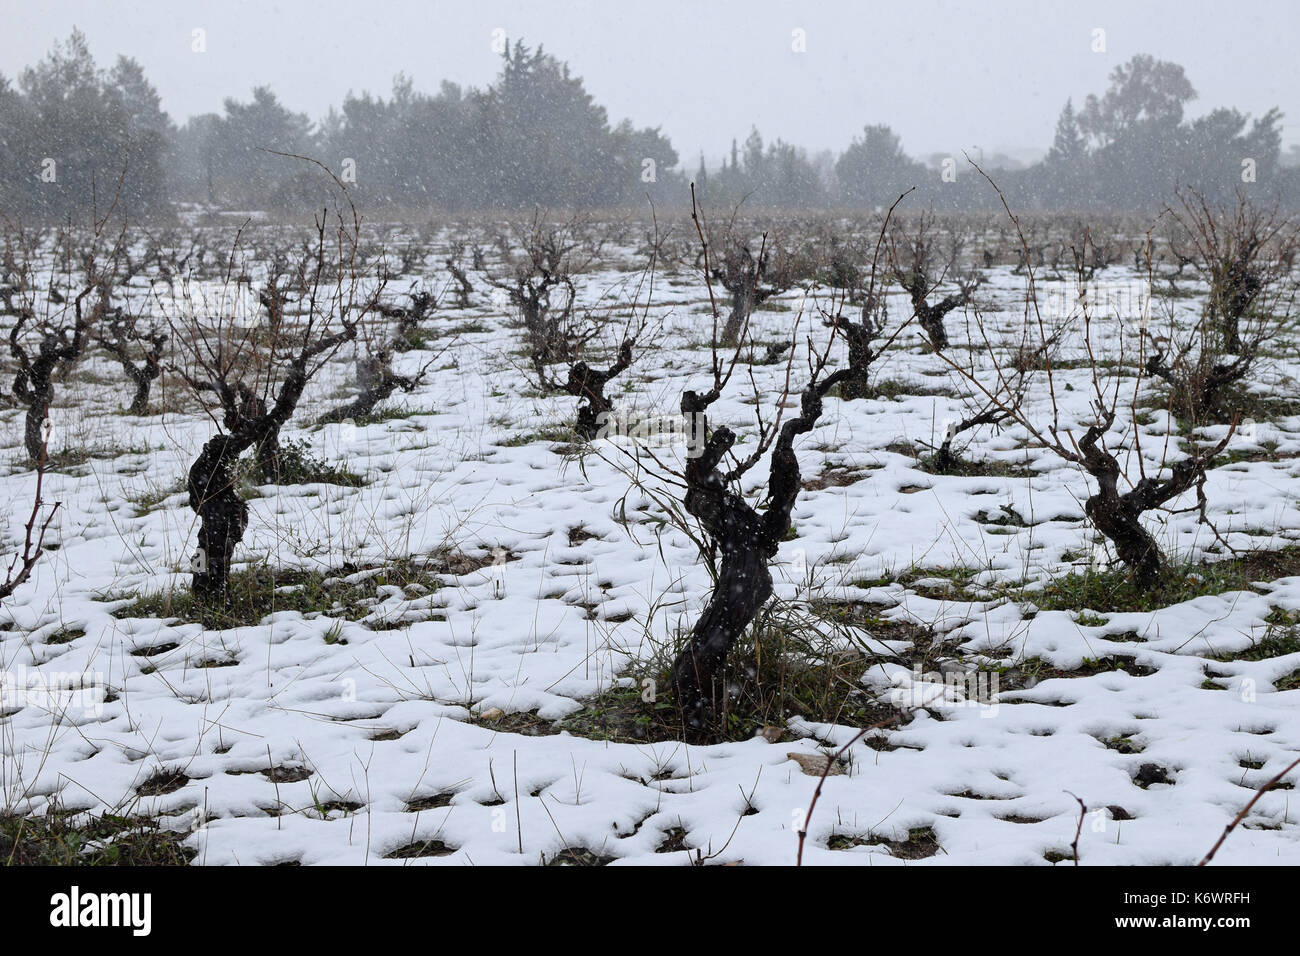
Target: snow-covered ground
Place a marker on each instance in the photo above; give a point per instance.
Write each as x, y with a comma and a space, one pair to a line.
364, 718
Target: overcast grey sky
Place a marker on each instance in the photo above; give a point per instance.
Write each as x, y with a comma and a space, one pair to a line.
944, 75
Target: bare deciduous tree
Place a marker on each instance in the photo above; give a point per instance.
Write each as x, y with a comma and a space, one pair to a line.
24, 562
408, 335
46, 346
123, 335
751, 280
1245, 254
456, 266
1113, 511
258, 380
915, 261
540, 285
746, 537
376, 379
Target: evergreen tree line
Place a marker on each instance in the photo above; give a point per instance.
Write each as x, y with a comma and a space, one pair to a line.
73, 135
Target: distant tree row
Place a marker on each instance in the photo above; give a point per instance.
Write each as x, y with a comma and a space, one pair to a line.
69, 130
1130, 147
533, 137
1127, 149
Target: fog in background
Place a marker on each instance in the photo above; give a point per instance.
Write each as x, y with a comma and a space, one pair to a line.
945, 76
768, 98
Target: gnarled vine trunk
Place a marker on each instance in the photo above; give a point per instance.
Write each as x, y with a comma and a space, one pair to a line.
35, 387
117, 343
747, 540
745, 298
1117, 515
931, 319
743, 586
859, 335
589, 384
376, 382
34, 383
223, 515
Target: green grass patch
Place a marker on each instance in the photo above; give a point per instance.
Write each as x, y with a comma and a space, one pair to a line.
349, 592
919, 843
298, 466
958, 583
1281, 638
958, 467
65, 635
557, 433
471, 327
1267, 451
383, 413
152, 498
579, 856
73, 839
893, 390
1114, 590
69, 460
1240, 402
784, 667
420, 849
1032, 671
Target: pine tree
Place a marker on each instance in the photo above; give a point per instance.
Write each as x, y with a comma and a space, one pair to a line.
1068, 146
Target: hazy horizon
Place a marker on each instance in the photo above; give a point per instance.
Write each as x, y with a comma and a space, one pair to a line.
944, 76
